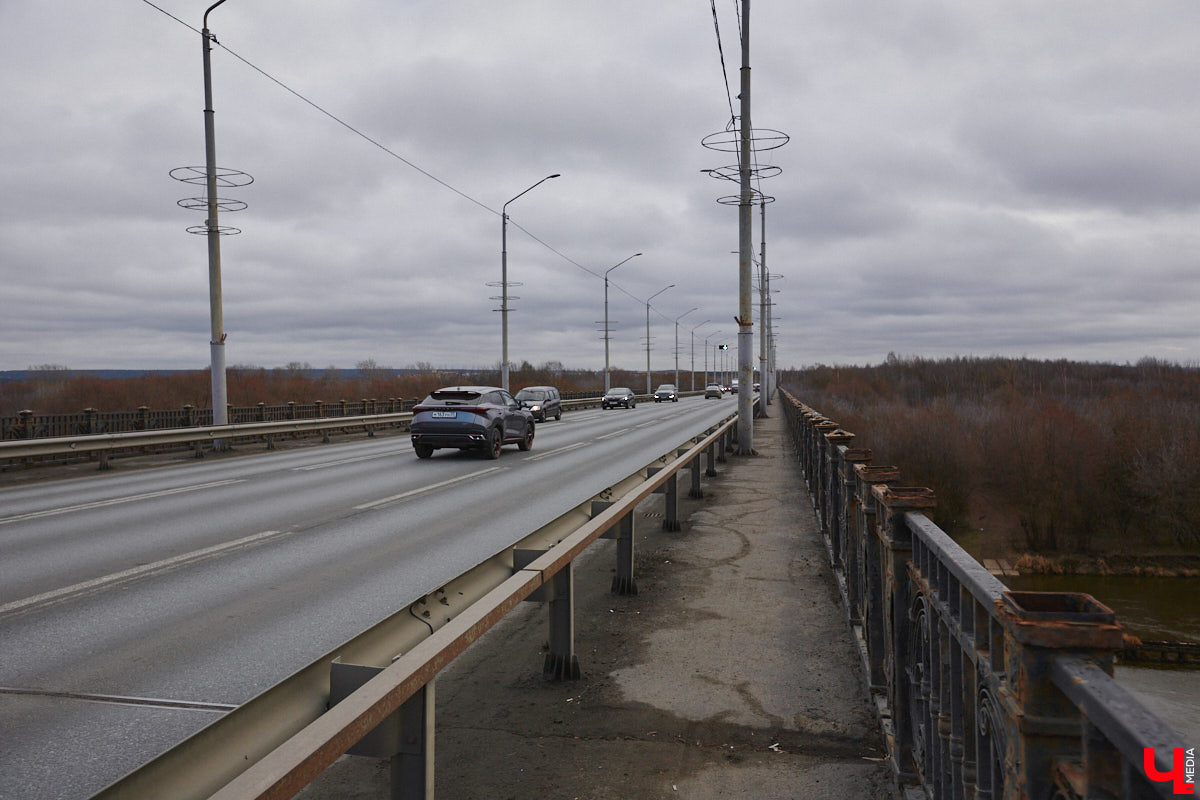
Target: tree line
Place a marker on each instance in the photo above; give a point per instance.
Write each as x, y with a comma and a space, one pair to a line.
1058, 456
54, 389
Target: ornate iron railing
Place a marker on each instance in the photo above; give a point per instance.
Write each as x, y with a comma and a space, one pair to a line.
981, 692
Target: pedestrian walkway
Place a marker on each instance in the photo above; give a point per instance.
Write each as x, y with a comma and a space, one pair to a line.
730, 675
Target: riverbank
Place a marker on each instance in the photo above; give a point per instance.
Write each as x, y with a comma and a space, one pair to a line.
1167, 565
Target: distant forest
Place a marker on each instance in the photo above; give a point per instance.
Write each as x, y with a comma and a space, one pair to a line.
53, 389
1058, 456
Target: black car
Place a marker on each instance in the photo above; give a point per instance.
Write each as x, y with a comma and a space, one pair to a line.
619, 397
481, 418
543, 401
666, 392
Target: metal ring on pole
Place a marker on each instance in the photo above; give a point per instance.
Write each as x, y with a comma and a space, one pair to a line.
736, 199
223, 178
201, 204
222, 230
731, 172
226, 178
730, 139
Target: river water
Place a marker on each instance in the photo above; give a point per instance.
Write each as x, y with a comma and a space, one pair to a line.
1154, 609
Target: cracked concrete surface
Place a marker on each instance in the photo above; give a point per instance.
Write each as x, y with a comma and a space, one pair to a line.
730, 675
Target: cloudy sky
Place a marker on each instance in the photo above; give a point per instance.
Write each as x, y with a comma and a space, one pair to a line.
998, 177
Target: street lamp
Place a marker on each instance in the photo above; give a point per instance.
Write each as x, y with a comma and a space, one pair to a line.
681, 316
504, 284
216, 344
610, 269
706, 338
701, 325
648, 299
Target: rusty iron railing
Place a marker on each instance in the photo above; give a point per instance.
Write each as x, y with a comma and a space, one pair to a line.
981, 692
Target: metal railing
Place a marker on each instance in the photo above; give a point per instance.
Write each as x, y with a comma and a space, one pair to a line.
278, 742
152, 433
981, 692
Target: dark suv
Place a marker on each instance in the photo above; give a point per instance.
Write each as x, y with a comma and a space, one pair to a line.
542, 401
470, 418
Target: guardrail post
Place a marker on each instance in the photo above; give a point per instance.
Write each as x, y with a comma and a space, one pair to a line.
710, 454
320, 406
558, 592
902, 636
405, 737
188, 419
722, 446
1045, 729
669, 491
26, 423
623, 582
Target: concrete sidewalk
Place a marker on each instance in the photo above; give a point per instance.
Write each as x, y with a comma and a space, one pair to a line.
730, 675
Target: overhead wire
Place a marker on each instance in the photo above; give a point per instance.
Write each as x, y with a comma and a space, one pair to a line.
388, 150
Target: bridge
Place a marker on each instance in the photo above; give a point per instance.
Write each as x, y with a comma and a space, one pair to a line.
776, 642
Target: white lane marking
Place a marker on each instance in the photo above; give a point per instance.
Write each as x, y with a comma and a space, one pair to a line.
325, 464
561, 450
613, 434
424, 489
50, 512
138, 572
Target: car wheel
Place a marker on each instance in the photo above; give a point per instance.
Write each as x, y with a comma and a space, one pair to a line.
558, 415
494, 443
526, 442
423, 450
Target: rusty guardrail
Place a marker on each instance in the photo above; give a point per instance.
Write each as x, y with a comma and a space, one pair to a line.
379, 686
980, 691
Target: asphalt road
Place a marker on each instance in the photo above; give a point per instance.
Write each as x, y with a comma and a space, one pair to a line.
198, 586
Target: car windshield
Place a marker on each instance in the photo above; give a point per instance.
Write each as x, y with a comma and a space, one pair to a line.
453, 396
666, 387
619, 391
530, 394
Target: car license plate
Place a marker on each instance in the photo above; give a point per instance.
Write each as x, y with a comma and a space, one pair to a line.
444, 414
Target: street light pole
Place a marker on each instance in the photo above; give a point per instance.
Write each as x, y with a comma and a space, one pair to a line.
610, 269
745, 334
681, 316
706, 338
504, 283
648, 299
693, 370
216, 342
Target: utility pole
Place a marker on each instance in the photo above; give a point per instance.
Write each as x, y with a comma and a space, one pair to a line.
745, 340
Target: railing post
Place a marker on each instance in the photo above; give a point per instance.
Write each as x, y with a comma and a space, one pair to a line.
866, 478
26, 423
902, 636
820, 487
851, 534
835, 442
1044, 728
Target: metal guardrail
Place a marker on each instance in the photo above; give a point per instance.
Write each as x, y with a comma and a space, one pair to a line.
107, 444
275, 744
980, 691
